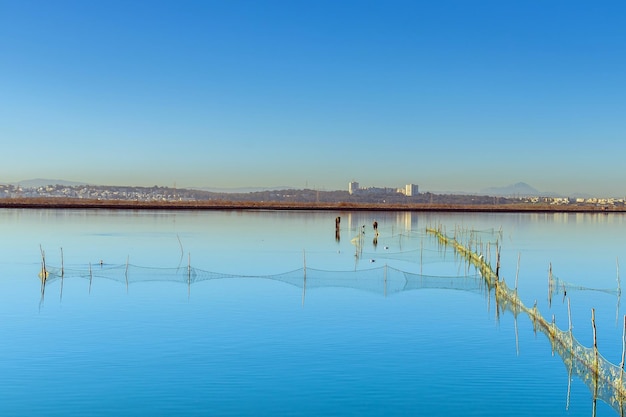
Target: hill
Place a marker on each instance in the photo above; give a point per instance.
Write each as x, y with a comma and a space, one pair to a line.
42, 182
520, 189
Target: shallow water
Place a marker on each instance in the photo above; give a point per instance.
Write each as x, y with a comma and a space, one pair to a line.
259, 313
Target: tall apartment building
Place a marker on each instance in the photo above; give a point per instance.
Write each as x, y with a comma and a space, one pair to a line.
353, 187
411, 190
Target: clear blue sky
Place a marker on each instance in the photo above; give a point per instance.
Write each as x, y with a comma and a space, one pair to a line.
451, 95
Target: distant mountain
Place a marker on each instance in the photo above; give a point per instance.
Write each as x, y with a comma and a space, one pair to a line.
42, 182
521, 189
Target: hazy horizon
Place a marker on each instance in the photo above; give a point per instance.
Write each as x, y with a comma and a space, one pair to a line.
448, 95
518, 189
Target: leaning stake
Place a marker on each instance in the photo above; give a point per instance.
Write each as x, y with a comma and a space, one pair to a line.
621, 375
595, 339
517, 271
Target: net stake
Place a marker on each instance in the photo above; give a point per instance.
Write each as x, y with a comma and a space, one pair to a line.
595, 339
126, 272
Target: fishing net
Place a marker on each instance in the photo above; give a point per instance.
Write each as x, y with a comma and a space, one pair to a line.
381, 279
604, 379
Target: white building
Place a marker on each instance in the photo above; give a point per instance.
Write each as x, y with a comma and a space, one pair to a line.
411, 190
353, 187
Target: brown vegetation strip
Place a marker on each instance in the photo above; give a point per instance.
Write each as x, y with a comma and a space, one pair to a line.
76, 203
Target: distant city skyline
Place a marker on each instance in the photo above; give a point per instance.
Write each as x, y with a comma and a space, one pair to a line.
508, 189
450, 95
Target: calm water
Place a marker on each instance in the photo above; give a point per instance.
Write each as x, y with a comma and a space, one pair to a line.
268, 313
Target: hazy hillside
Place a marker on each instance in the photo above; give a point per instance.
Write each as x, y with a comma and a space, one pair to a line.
41, 182
242, 189
520, 189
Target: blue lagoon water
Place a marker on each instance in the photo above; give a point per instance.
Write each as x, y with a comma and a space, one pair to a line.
270, 313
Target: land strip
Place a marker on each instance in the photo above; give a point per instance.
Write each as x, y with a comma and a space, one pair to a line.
78, 203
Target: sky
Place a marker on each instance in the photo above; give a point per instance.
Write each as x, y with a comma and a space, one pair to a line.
449, 95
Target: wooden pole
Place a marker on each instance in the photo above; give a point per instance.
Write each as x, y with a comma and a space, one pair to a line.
517, 272
571, 334
621, 375
62, 275
595, 338
188, 275
304, 275
189, 268
421, 255
569, 315
182, 251
516, 335
569, 384
550, 285
593, 324
44, 271
619, 285
497, 263
61, 290
550, 272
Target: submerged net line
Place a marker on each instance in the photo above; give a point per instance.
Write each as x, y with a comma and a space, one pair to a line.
380, 279
424, 256
604, 379
557, 285
386, 248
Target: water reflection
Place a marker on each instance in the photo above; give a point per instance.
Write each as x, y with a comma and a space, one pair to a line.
398, 221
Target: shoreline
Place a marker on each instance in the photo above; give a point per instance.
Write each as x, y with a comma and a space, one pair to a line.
69, 203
